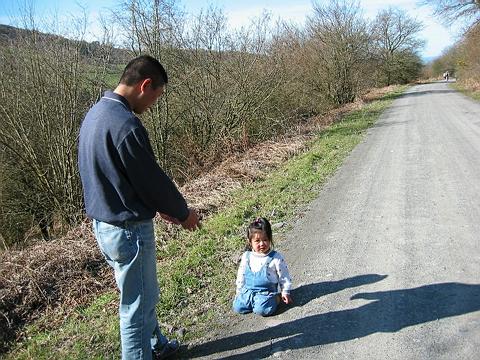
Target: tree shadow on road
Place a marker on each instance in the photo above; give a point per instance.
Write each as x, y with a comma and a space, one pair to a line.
427, 92
388, 311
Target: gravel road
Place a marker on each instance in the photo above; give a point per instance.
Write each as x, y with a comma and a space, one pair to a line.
386, 261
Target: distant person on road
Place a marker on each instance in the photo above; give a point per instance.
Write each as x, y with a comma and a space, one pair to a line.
123, 189
263, 280
446, 75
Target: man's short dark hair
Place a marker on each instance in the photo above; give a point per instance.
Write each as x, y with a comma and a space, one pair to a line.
144, 67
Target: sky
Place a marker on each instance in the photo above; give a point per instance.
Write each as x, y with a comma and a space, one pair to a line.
239, 13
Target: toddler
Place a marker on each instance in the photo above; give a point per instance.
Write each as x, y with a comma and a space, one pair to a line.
262, 273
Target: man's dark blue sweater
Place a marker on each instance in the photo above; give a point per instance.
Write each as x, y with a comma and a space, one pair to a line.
121, 179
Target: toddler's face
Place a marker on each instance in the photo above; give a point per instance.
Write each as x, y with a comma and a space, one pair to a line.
260, 242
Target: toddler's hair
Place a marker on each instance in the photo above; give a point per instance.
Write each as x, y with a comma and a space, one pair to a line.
259, 224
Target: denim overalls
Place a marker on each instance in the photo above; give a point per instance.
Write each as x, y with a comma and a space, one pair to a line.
258, 293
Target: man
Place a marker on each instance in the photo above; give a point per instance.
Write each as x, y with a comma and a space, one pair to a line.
124, 188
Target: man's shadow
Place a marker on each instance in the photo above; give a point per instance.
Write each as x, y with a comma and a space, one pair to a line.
389, 311
306, 293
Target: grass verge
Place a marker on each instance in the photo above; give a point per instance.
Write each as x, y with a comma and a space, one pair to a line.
474, 94
197, 270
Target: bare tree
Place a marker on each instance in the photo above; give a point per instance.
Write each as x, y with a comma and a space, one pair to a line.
223, 85
46, 85
156, 27
464, 59
338, 44
229, 83
395, 39
451, 11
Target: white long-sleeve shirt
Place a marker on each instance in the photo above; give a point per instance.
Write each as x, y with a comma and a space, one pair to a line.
277, 271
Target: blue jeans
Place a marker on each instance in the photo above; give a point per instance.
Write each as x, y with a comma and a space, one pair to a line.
130, 251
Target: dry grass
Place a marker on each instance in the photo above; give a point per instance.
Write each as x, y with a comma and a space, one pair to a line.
377, 93
472, 85
61, 273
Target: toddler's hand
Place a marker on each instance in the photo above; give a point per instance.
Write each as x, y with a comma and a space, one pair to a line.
287, 299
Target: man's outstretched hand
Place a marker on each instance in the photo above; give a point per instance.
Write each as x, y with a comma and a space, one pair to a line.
169, 219
192, 222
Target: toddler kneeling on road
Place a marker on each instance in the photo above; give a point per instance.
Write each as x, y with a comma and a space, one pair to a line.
263, 279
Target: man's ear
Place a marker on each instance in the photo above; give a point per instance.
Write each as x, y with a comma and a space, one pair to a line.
145, 84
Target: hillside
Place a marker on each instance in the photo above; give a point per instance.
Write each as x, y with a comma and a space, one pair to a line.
89, 49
